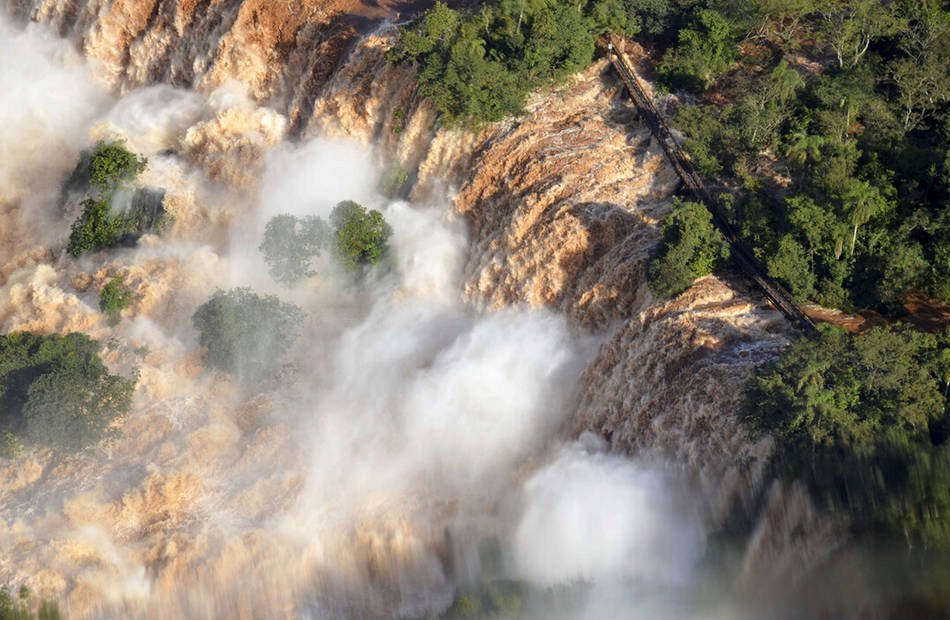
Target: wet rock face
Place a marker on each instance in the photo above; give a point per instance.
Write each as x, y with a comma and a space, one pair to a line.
279, 50
668, 382
562, 207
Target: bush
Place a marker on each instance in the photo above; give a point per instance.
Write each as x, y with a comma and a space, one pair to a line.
245, 333
95, 228
704, 51
290, 244
112, 165
56, 392
21, 607
114, 298
107, 169
360, 236
691, 248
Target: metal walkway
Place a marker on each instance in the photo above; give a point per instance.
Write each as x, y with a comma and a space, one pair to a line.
774, 292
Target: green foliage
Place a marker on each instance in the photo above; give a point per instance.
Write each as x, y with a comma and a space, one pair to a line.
244, 333
112, 165
99, 228
21, 607
479, 65
360, 236
848, 27
704, 51
95, 228
291, 244
863, 419
691, 248
56, 392
495, 600
838, 172
107, 169
114, 298
394, 181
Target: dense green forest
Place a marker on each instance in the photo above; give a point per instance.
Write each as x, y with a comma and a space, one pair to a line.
863, 420
823, 129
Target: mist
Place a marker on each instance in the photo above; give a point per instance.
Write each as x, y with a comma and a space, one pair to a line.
404, 430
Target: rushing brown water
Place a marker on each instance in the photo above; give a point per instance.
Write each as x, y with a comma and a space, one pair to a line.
487, 388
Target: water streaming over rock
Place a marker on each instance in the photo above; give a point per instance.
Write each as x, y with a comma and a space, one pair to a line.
418, 416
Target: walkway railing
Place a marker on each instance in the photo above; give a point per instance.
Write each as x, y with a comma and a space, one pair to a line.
774, 292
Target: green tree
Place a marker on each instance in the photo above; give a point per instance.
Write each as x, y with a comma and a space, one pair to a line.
856, 417
703, 52
862, 201
246, 334
849, 26
922, 75
291, 244
606, 16
766, 106
95, 228
360, 236
791, 264
112, 165
479, 65
109, 167
691, 248
56, 392
115, 297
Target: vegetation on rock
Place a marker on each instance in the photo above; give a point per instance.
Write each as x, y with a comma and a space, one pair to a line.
21, 607
864, 419
360, 235
104, 171
111, 165
244, 333
691, 248
56, 392
291, 244
115, 297
479, 65
356, 236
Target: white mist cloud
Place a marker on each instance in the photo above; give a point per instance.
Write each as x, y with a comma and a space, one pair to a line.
49, 99
592, 516
154, 118
414, 415
311, 178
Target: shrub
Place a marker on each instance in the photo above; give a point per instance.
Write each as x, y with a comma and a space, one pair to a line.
114, 298
360, 236
245, 333
704, 51
112, 165
691, 248
394, 181
95, 228
109, 167
56, 392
